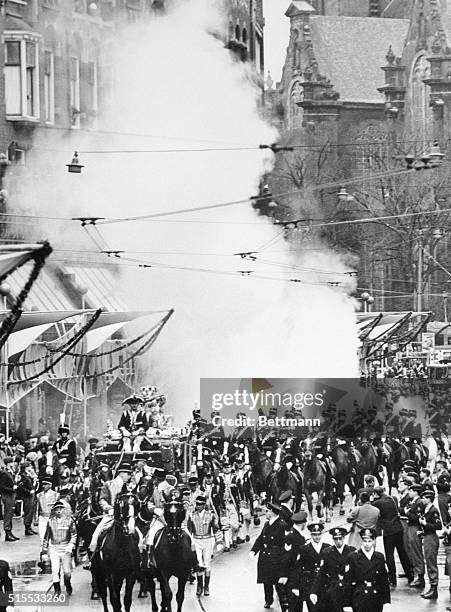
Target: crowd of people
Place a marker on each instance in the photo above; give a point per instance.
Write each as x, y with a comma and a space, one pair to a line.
52, 480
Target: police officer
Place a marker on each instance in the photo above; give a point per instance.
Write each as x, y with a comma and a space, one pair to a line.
310, 559
430, 523
8, 489
367, 587
413, 512
6, 584
290, 565
286, 502
270, 547
329, 582
66, 448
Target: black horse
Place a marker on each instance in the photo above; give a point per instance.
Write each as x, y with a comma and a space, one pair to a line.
118, 557
173, 555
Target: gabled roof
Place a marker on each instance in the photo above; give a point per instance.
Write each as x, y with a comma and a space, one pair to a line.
398, 9
298, 7
351, 52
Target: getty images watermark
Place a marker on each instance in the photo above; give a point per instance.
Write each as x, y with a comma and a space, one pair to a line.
260, 403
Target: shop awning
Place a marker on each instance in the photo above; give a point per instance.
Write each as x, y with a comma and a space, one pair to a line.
101, 285
47, 292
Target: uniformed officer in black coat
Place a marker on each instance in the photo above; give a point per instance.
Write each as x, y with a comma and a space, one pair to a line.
430, 523
367, 588
328, 586
290, 568
270, 547
6, 583
286, 502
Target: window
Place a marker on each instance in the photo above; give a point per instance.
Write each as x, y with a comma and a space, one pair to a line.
92, 88
21, 79
49, 87
74, 70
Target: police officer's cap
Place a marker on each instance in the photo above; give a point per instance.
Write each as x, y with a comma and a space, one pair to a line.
415, 487
299, 517
273, 507
429, 493
413, 475
368, 533
93, 441
338, 532
125, 467
286, 496
315, 528
201, 499
58, 504
46, 481
159, 473
193, 480
409, 463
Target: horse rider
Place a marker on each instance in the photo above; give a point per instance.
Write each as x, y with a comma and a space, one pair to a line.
59, 542
66, 448
430, 523
290, 570
204, 528
367, 587
329, 582
270, 546
110, 490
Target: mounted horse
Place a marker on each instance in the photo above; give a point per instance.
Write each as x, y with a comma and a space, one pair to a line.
368, 464
173, 556
316, 480
343, 474
118, 557
399, 453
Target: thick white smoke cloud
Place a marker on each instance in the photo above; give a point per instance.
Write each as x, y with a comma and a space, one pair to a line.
177, 82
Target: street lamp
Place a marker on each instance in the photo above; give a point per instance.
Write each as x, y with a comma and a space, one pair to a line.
75, 166
367, 300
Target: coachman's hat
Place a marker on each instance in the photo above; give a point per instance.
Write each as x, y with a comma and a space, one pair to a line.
315, 528
338, 532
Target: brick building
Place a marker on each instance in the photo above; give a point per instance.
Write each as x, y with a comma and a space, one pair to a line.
364, 84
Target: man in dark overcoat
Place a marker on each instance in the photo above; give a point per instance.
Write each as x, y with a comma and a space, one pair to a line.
270, 547
329, 582
367, 587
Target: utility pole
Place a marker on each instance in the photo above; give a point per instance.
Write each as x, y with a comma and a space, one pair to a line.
420, 272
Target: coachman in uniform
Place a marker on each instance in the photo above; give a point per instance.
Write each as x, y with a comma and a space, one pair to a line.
328, 585
367, 586
270, 547
66, 448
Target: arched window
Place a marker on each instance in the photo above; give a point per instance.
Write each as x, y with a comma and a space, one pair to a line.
244, 36
231, 30
421, 112
237, 33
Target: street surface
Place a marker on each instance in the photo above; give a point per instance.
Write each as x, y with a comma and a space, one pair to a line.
233, 583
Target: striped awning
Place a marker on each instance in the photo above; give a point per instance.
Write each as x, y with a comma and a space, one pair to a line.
101, 285
46, 294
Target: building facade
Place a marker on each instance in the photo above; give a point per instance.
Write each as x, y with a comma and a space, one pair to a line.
362, 89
